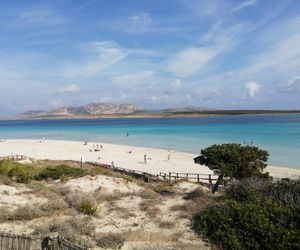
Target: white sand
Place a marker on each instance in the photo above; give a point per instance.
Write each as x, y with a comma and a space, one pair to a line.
157, 159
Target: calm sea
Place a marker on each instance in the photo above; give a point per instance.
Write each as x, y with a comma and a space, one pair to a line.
279, 134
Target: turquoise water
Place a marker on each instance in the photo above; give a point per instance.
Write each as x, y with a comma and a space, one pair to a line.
279, 134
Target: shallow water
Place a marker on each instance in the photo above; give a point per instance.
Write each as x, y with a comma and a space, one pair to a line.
279, 134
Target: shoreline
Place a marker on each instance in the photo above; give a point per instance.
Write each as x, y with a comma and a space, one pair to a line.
125, 156
154, 115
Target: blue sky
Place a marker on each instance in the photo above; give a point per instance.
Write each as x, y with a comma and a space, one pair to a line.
155, 53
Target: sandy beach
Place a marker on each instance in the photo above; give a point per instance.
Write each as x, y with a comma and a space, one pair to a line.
125, 156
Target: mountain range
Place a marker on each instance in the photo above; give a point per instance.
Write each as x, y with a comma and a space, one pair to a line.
98, 109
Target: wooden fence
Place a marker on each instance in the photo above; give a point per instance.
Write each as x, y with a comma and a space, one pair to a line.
10, 241
14, 157
132, 172
194, 177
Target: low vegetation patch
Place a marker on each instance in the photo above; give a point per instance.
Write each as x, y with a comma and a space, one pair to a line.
82, 202
256, 214
110, 241
58, 172
77, 230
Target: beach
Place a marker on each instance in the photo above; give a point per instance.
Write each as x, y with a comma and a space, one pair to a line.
150, 160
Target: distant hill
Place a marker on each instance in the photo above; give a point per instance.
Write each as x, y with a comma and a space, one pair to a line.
103, 110
89, 109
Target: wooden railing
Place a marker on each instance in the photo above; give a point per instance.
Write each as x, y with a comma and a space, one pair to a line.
194, 177
133, 172
14, 157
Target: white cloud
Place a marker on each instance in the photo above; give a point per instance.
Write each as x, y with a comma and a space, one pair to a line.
108, 53
253, 88
203, 94
130, 80
140, 22
244, 5
175, 85
39, 15
72, 88
190, 61
293, 85
230, 75
56, 103
159, 98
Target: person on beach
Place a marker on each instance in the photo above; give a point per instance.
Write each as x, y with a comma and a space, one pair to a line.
145, 158
169, 157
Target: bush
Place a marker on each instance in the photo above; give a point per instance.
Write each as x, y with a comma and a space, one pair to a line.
75, 230
256, 214
87, 207
83, 202
26, 213
53, 205
5, 214
59, 172
21, 174
113, 241
5, 166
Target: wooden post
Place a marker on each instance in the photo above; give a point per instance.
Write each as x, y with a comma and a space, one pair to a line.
198, 179
187, 176
177, 176
209, 179
170, 176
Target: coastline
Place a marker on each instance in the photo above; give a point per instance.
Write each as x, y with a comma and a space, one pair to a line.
125, 156
141, 115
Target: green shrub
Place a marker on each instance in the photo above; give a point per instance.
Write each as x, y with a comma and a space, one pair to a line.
5, 166
259, 223
112, 241
87, 207
58, 172
21, 173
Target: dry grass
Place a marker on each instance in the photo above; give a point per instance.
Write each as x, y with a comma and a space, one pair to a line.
5, 213
111, 198
83, 202
5, 180
150, 208
27, 213
196, 200
166, 224
110, 241
148, 194
78, 230
54, 204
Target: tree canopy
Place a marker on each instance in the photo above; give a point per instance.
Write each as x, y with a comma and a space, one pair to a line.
233, 160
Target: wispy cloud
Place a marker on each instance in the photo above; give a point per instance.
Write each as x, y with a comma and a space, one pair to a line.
292, 85
56, 103
107, 54
72, 88
244, 5
40, 15
131, 80
140, 22
189, 61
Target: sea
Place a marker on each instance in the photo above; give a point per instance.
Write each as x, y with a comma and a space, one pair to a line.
278, 134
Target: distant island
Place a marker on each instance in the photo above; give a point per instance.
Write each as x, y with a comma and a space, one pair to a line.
110, 110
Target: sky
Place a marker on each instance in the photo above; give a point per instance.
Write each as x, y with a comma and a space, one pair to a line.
224, 54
